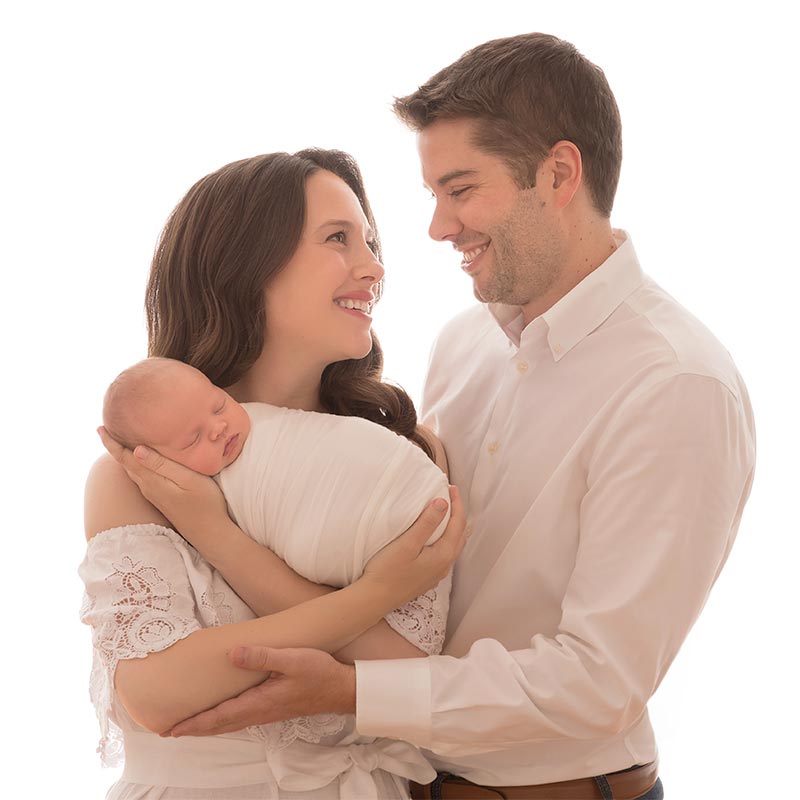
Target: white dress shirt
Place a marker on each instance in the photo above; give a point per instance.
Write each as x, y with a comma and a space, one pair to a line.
605, 453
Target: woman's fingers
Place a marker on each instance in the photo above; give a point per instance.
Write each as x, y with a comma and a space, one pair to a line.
426, 524
407, 564
116, 450
123, 456
190, 501
144, 461
454, 535
155, 462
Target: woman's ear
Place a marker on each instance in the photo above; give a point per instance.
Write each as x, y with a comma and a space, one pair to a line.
566, 167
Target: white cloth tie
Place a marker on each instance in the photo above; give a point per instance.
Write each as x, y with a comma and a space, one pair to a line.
304, 767
236, 760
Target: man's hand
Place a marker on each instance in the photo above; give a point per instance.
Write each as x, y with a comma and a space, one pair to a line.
192, 502
299, 682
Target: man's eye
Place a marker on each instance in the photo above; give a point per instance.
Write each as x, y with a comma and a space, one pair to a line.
458, 192
339, 236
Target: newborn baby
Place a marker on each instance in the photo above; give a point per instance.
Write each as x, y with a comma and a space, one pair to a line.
323, 492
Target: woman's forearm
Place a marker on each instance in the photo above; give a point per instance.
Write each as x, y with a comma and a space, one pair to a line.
268, 585
195, 673
380, 641
264, 581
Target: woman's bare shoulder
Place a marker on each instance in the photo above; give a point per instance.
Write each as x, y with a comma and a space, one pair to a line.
112, 499
439, 454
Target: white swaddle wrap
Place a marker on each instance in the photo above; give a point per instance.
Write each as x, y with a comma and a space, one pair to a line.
325, 492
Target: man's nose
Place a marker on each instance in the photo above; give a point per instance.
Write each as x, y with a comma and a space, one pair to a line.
444, 224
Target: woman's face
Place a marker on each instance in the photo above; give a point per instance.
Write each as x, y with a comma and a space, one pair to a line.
320, 304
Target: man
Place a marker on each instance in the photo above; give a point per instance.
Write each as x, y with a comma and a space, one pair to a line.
602, 438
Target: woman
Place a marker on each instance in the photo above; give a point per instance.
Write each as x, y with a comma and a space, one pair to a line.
263, 279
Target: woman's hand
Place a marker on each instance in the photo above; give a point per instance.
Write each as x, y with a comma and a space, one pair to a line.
193, 503
407, 567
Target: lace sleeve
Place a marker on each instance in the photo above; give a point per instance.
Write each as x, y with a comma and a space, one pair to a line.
138, 600
423, 621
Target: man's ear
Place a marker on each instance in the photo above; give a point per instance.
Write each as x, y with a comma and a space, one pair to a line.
566, 168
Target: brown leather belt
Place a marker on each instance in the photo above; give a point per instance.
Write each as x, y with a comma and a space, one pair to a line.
625, 785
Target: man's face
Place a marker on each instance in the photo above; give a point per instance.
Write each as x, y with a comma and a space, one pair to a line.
511, 243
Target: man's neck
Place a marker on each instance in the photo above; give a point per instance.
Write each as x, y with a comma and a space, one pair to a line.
589, 248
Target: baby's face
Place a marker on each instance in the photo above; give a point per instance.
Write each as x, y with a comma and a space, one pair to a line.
198, 424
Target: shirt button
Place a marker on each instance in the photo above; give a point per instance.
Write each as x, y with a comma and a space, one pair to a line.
493, 448
522, 366
468, 530
557, 348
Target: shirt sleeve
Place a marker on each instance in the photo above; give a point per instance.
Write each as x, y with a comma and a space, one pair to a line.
666, 484
138, 600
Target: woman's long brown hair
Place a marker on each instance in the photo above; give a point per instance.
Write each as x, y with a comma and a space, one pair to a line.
230, 235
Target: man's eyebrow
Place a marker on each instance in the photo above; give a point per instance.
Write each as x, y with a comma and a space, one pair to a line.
453, 174
345, 223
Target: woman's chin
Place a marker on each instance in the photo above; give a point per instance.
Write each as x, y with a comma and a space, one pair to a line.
357, 351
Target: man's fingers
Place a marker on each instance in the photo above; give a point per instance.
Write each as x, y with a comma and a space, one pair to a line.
222, 719
256, 706
253, 658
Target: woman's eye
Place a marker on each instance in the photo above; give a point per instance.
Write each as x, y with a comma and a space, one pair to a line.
339, 236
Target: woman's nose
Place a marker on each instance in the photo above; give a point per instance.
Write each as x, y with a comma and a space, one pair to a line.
369, 267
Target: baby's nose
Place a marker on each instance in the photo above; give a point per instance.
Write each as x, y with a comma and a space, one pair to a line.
219, 428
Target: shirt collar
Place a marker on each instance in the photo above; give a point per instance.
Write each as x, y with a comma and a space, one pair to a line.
584, 308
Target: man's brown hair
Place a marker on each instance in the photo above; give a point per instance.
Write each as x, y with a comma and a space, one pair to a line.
525, 93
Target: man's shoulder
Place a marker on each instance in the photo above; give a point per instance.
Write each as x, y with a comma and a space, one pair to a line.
691, 346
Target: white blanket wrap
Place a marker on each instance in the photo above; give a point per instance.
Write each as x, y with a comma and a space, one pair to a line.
325, 492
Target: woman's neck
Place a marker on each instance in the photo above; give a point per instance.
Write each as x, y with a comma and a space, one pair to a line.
280, 379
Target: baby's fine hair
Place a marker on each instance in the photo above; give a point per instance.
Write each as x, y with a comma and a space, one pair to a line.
130, 391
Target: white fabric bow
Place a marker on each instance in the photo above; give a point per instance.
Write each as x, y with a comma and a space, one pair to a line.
304, 767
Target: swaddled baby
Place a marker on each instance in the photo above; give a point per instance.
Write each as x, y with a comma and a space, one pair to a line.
323, 492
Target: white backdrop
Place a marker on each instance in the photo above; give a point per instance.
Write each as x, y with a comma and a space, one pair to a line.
111, 111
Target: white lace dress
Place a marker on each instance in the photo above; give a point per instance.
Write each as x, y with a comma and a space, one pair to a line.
146, 589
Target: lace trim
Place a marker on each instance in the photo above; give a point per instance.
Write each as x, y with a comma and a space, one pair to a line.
307, 729
214, 602
422, 621
140, 623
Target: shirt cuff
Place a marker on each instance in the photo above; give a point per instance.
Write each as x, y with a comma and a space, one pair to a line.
393, 699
